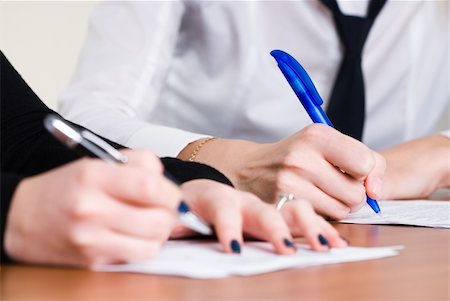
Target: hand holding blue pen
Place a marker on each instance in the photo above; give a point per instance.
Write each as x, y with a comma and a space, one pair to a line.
308, 96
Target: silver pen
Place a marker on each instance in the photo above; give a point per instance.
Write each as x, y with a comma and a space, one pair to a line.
89, 144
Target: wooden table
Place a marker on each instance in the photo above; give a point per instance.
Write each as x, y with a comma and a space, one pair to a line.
420, 272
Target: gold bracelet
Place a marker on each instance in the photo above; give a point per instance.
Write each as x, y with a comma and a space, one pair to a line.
198, 147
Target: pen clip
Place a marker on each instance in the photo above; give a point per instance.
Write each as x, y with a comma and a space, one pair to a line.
289, 66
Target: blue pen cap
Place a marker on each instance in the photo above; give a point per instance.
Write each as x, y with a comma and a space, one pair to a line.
289, 64
302, 85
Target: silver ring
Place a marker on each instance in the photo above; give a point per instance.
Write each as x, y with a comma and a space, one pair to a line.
283, 199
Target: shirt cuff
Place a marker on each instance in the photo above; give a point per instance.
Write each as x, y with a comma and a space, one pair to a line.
162, 140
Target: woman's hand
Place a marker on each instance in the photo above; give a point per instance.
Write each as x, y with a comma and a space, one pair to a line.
304, 222
91, 212
234, 212
330, 170
417, 168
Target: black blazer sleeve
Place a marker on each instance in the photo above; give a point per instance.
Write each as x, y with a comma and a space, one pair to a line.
9, 183
28, 149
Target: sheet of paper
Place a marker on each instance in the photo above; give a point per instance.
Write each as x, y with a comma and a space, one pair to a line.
202, 259
417, 213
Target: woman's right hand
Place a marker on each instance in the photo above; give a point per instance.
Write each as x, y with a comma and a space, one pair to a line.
91, 212
329, 169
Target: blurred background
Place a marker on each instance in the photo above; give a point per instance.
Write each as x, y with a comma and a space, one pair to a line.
42, 40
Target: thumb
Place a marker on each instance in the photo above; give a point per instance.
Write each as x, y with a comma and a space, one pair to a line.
374, 181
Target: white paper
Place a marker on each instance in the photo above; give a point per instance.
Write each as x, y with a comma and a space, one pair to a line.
423, 213
202, 259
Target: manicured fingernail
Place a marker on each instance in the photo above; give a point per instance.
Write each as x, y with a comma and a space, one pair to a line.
377, 184
235, 246
183, 207
345, 239
323, 241
288, 243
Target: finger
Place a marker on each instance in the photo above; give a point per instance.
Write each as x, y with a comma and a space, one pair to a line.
130, 184
180, 230
323, 203
340, 186
148, 161
117, 248
300, 214
374, 181
223, 210
145, 159
350, 155
262, 221
331, 234
144, 222
103, 246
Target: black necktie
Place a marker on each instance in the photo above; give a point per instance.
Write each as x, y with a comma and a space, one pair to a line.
346, 108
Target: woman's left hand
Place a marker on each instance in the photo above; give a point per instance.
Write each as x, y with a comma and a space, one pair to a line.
415, 169
234, 212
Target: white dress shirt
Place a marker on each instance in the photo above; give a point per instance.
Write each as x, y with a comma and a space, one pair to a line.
162, 74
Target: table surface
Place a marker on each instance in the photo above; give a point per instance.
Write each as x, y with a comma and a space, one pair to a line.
420, 272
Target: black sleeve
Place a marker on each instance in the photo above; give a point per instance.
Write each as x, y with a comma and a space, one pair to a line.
26, 146
28, 149
185, 171
9, 183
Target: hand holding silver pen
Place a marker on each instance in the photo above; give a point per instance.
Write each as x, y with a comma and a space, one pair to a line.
90, 144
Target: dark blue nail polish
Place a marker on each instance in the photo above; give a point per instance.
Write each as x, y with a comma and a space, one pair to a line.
288, 243
323, 241
235, 246
183, 207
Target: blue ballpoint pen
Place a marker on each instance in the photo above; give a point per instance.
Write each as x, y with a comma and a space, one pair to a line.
86, 143
308, 95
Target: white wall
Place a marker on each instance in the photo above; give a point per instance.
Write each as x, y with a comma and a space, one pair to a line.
42, 40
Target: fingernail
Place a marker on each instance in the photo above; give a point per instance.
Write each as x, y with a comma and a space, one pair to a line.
288, 243
183, 207
235, 246
377, 184
323, 241
345, 239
